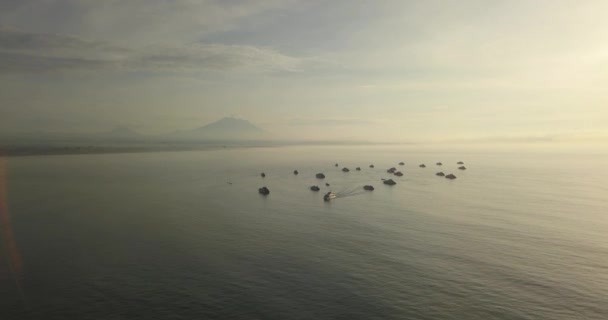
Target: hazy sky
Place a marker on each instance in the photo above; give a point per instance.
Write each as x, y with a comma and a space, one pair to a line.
395, 70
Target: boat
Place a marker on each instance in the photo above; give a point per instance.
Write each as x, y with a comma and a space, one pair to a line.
264, 191
390, 182
329, 196
315, 188
368, 187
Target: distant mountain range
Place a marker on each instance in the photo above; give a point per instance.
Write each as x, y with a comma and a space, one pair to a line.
228, 128
225, 129
124, 132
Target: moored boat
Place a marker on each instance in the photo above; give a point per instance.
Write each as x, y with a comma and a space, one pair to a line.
264, 191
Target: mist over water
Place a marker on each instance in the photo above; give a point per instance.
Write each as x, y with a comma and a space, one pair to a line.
185, 235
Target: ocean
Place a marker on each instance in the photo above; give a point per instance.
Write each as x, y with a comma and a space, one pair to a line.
186, 235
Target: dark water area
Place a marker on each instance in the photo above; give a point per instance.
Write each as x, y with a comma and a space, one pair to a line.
185, 235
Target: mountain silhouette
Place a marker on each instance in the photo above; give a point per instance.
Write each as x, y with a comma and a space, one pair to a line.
228, 128
123, 132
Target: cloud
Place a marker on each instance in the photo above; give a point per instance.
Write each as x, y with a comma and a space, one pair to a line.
330, 122
214, 56
26, 63
134, 21
20, 41
24, 52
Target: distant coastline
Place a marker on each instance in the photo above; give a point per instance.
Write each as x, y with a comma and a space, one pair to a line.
22, 151
43, 149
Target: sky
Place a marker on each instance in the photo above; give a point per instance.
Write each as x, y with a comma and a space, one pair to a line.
388, 70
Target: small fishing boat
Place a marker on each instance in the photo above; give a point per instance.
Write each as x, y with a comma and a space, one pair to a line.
329, 196
390, 182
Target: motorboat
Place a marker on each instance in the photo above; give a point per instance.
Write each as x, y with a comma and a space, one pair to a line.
329, 196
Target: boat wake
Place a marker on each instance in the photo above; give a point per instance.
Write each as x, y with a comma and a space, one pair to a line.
350, 192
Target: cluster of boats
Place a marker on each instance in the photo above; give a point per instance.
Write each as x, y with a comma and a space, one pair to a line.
331, 195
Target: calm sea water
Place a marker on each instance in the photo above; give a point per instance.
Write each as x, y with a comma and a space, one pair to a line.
519, 235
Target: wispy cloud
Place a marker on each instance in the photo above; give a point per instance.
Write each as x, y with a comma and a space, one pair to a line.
214, 56
134, 21
27, 63
35, 52
331, 122
15, 40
